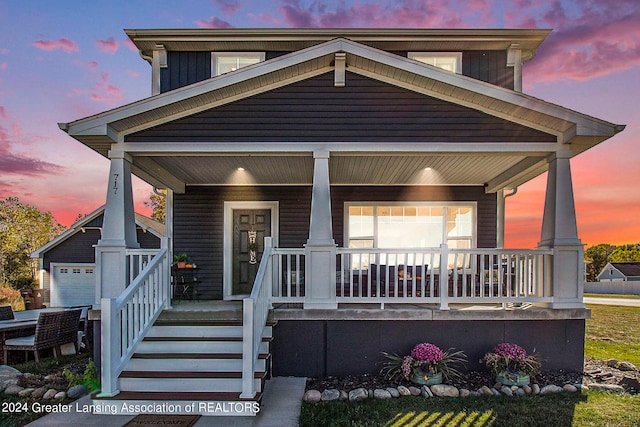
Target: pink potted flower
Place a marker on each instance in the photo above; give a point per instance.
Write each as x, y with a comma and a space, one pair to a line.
427, 364
511, 364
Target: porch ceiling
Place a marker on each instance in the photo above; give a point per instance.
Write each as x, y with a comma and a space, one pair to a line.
365, 169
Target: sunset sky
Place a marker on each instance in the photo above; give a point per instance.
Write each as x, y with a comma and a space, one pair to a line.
64, 60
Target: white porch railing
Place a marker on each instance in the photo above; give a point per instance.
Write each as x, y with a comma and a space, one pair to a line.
137, 260
255, 310
419, 276
127, 319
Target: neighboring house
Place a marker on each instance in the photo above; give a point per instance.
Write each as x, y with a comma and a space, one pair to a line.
620, 272
348, 184
67, 263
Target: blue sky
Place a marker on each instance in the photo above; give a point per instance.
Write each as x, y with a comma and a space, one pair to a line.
60, 61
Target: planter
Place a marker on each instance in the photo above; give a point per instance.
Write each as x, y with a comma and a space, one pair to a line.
427, 379
509, 378
182, 264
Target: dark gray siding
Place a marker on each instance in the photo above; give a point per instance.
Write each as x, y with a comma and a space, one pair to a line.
184, 68
365, 110
198, 218
489, 66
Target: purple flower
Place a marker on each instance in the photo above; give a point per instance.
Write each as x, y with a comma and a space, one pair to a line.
511, 351
428, 353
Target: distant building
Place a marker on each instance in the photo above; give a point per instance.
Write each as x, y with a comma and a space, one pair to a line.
620, 272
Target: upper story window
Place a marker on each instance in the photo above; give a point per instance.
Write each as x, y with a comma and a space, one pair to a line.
450, 61
225, 62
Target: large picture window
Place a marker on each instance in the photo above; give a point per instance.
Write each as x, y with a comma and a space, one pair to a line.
414, 225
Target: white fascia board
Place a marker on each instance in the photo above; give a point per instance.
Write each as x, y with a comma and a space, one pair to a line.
342, 148
85, 125
483, 89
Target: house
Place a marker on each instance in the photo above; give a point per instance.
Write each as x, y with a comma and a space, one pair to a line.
617, 278
342, 193
67, 263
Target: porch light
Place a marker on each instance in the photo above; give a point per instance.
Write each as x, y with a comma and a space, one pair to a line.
427, 168
240, 169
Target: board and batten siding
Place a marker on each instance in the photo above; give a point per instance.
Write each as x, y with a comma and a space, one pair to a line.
199, 218
366, 110
185, 68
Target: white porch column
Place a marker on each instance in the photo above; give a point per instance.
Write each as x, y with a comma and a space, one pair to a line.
320, 250
560, 233
118, 230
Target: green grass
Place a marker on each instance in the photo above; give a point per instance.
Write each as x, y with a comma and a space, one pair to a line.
592, 409
613, 332
623, 296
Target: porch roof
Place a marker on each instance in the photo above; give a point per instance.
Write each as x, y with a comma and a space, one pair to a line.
494, 165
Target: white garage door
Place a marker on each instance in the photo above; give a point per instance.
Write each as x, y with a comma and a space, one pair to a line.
72, 284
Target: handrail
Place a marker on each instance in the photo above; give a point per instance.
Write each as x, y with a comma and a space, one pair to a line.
255, 310
128, 318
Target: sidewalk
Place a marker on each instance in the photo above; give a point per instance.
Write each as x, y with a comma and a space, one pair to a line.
280, 408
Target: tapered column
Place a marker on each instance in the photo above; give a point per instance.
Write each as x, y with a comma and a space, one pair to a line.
118, 230
320, 250
560, 232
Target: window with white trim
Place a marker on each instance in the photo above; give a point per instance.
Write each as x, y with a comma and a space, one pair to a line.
450, 61
226, 62
411, 225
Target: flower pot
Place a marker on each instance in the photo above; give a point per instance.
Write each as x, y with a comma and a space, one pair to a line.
510, 378
182, 264
427, 379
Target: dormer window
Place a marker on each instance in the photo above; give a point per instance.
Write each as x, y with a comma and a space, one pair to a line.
225, 62
450, 61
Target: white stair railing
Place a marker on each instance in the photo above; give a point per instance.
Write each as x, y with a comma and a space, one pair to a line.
255, 310
127, 319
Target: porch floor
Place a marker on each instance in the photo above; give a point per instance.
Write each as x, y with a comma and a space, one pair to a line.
232, 311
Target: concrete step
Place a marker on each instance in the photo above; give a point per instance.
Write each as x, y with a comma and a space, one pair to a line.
207, 362
186, 381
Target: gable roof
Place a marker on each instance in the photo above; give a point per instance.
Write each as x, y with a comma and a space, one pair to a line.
145, 223
628, 269
579, 131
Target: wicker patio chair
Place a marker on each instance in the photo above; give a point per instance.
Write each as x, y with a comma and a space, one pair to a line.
6, 313
52, 330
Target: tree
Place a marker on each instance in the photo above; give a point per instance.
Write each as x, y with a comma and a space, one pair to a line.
23, 229
626, 253
598, 256
158, 203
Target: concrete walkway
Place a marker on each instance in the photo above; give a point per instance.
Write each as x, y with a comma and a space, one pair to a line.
627, 302
280, 408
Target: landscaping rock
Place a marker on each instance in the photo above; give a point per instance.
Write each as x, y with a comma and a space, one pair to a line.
495, 392
464, 392
535, 388
312, 396
570, 388
60, 395
344, 395
475, 393
381, 394
415, 391
626, 366
520, 392
631, 384
393, 392
50, 394
506, 391
8, 373
77, 391
527, 389
485, 391
13, 389
26, 392
330, 395
39, 392
607, 387
444, 390
426, 392
358, 394
550, 389
404, 391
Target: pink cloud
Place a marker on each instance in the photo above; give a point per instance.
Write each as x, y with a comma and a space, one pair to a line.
104, 91
228, 7
91, 65
4, 51
3, 66
109, 46
213, 22
62, 43
133, 74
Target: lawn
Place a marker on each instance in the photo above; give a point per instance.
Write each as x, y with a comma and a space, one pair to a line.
612, 331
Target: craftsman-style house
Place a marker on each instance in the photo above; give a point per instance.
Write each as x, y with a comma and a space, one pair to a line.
341, 193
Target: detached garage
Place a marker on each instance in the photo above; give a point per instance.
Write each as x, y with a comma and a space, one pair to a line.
67, 263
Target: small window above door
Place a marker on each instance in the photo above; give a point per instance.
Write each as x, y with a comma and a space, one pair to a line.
450, 61
226, 62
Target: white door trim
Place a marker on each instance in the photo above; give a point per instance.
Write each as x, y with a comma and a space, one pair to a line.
227, 250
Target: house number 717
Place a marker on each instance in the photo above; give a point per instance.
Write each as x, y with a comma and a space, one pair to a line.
115, 183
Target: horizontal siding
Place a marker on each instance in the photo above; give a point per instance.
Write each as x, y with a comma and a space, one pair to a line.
365, 110
198, 218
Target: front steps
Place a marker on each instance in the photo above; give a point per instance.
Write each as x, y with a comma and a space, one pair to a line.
187, 365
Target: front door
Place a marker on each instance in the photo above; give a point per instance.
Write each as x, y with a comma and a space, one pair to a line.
250, 227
